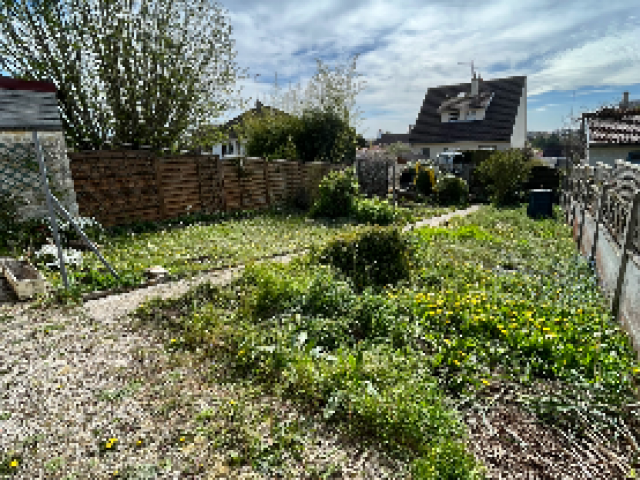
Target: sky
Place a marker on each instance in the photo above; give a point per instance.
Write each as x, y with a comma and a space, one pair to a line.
577, 55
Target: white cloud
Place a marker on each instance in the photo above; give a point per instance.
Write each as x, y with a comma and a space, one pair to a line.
408, 46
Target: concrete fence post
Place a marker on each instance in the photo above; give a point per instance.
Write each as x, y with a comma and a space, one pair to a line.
599, 220
584, 213
630, 229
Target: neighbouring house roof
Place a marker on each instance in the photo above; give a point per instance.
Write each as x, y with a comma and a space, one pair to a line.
466, 101
498, 122
614, 126
389, 138
28, 105
260, 108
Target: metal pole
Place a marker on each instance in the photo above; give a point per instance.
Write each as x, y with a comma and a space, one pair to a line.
394, 186
84, 237
52, 214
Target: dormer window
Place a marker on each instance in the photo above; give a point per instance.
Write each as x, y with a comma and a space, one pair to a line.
453, 116
471, 115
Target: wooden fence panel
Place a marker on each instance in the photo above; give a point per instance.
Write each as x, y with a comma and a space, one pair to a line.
111, 185
117, 187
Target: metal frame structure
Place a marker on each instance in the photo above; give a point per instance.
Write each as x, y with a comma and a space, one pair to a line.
52, 204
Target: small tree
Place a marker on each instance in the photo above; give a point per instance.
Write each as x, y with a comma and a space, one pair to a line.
325, 136
504, 173
270, 135
397, 149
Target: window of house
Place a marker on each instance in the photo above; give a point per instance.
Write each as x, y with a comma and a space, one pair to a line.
453, 117
230, 148
471, 115
426, 151
224, 150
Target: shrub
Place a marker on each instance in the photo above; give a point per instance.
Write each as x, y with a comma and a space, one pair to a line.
324, 136
504, 174
270, 135
448, 460
452, 190
327, 296
374, 211
425, 180
372, 256
336, 195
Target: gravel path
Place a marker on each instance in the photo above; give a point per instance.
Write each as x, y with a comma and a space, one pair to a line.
72, 380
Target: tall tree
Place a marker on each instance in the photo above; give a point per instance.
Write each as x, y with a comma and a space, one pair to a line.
328, 90
141, 77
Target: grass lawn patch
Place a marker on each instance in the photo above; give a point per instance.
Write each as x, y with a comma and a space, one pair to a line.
494, 298
200, 244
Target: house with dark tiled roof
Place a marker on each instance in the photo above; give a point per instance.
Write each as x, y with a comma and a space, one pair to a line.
232, 145
481, 114
613, 133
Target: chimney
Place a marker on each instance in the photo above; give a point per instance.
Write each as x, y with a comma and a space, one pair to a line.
625, 99
474, 85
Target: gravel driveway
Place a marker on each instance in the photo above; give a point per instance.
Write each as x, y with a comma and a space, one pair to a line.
85, 393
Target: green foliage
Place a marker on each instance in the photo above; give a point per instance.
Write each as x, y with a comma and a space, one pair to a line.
504, 174
373, 256
336, 195
270, 134
425, 180
16, 234
448, 460
452, 190
324, 136
361, 142
374, 211
397, 149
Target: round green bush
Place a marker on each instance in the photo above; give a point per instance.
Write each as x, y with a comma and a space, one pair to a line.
336, 195
373, 211
371, 256
425, 181
452, 190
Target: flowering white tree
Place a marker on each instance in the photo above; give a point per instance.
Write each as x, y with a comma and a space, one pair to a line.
327, 90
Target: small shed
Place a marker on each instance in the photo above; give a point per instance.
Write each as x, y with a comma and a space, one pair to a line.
27, 106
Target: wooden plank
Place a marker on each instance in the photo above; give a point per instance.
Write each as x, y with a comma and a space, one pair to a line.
221, 183
159, 185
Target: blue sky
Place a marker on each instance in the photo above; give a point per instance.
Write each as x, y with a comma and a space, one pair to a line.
587, 47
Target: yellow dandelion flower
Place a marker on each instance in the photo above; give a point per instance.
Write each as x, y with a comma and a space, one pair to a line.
182, 439
173, 340
485, 381
14, 463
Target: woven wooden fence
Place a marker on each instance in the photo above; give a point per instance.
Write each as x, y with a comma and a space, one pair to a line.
118, 187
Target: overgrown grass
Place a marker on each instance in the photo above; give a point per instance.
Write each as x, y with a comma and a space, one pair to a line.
199, 243
495, 297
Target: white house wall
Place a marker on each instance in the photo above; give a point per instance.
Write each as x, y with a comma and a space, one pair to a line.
519, 135
609, 155
217, 149
435, 149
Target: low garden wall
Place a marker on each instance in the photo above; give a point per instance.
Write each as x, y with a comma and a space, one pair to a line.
20, 171
602, 205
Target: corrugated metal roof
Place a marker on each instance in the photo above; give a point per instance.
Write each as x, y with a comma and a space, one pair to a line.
27, 105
